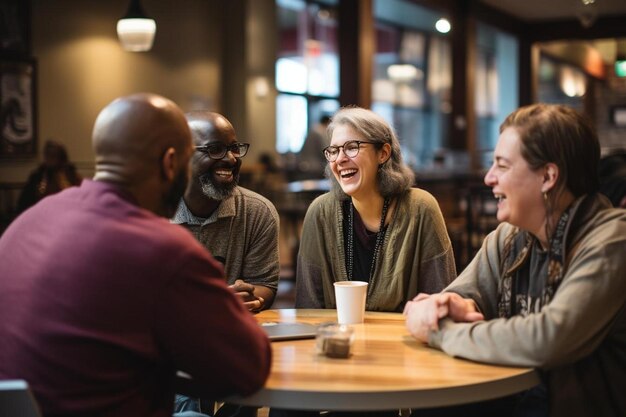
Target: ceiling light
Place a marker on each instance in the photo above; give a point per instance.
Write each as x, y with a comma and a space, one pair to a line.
404, 73
135, 30
587, 13
443, 25
573, 82
323, 14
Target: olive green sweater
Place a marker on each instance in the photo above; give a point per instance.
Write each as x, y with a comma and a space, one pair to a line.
416, 254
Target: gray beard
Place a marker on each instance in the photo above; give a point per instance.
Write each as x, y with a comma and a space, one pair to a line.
210, 190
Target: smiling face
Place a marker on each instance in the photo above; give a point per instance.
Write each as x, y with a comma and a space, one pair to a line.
519, 189
357, 176
217, 178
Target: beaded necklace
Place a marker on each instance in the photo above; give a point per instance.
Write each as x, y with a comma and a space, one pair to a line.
380, 237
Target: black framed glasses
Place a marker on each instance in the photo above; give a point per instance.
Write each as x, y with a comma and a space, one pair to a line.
350, 149
219, 150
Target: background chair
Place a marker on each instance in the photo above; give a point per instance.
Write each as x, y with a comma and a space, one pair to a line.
16, 400
481, 208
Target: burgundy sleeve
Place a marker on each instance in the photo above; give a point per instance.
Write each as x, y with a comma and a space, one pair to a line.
208, 333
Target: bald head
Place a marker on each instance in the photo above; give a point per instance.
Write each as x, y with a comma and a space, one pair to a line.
143, 144
209, 126
131, 135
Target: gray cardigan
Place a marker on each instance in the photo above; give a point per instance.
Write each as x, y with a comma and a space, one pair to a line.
579, 337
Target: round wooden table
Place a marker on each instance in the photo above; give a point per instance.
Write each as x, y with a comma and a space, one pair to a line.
388, 369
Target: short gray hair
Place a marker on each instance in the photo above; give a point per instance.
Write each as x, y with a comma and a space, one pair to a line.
394, 176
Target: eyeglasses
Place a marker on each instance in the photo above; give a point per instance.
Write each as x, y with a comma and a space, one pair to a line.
350, 149
218, 150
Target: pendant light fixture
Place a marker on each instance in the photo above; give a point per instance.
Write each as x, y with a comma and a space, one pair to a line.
136, 30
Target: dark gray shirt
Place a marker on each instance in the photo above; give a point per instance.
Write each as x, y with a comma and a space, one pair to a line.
242, 233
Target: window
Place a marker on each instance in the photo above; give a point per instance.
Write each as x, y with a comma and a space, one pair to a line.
561, 83
497, 83
307, 69
412, 78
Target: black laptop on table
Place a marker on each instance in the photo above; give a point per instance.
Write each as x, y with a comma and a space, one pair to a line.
289, 331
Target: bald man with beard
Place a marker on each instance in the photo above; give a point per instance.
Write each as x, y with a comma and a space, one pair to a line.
238, 226
102, 300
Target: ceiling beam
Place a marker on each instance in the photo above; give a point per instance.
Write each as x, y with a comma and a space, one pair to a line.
604, 27
497, 18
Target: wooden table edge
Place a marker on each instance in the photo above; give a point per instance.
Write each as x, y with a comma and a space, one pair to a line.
362, 401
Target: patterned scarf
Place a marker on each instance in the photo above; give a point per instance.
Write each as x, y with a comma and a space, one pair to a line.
514, 295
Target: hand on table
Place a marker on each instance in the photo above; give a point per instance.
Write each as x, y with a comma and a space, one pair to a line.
424, 312
246, 292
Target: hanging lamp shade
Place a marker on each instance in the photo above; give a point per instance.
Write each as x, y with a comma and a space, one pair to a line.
136, 30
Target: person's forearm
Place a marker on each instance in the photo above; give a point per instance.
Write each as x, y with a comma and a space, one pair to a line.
266, 293
570, 327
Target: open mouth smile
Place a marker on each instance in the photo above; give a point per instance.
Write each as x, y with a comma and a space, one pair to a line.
347, 173
224, 173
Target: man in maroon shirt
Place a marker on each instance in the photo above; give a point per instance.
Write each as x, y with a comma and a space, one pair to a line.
102, 300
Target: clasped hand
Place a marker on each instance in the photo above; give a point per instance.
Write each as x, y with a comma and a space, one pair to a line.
424, 312
246, 292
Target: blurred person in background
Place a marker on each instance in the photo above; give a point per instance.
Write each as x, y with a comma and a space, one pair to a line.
311, 161
612, 172
54, 174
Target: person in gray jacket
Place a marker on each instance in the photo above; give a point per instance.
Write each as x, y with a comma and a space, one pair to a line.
547, 288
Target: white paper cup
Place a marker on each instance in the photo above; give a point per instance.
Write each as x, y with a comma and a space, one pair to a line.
350, 298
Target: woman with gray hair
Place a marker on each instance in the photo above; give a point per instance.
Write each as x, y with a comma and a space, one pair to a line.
372, 226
